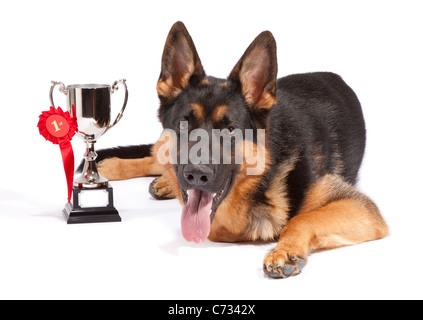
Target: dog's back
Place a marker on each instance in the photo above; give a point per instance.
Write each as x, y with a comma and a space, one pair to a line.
319, 118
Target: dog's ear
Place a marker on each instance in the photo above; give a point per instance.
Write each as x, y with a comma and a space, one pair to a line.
256, 73
180, 63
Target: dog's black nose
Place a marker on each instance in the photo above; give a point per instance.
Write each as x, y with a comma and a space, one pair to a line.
198, 175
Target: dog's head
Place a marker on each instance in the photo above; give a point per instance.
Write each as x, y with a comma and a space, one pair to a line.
225, 114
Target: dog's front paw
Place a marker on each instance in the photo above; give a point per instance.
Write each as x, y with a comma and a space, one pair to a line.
111, 169
161, 190
281, 264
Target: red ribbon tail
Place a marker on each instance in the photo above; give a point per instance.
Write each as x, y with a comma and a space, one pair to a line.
68, 163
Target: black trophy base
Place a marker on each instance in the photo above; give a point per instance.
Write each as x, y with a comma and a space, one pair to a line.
84, 209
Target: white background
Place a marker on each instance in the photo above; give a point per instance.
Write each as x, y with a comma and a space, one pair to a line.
376, 47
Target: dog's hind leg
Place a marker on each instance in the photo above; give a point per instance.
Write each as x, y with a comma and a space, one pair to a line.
334, 214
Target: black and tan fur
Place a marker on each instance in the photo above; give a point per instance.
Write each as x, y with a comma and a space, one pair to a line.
315, 141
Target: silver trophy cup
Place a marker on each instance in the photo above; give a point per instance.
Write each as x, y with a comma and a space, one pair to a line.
92, 194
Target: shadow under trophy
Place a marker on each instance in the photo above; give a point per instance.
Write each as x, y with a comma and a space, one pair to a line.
92, 196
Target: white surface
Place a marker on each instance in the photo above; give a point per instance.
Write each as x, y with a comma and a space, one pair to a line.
375, 46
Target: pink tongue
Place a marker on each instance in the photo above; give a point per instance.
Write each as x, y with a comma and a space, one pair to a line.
196, 216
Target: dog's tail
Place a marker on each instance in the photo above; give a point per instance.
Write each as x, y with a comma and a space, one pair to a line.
127, 152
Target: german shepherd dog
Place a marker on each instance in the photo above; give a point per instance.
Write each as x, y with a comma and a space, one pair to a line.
304, 196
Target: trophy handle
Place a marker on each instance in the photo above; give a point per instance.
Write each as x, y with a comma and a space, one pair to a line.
62, 89
112, 90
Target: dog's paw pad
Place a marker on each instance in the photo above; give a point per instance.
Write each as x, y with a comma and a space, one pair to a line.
281, 265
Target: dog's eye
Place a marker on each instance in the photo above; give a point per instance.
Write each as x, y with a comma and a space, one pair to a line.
183, 125
230, 131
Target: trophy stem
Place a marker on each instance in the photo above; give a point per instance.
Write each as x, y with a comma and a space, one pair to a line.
90, 178
92, 196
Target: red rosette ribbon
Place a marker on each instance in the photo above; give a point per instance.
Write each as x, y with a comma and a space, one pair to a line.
59, 127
